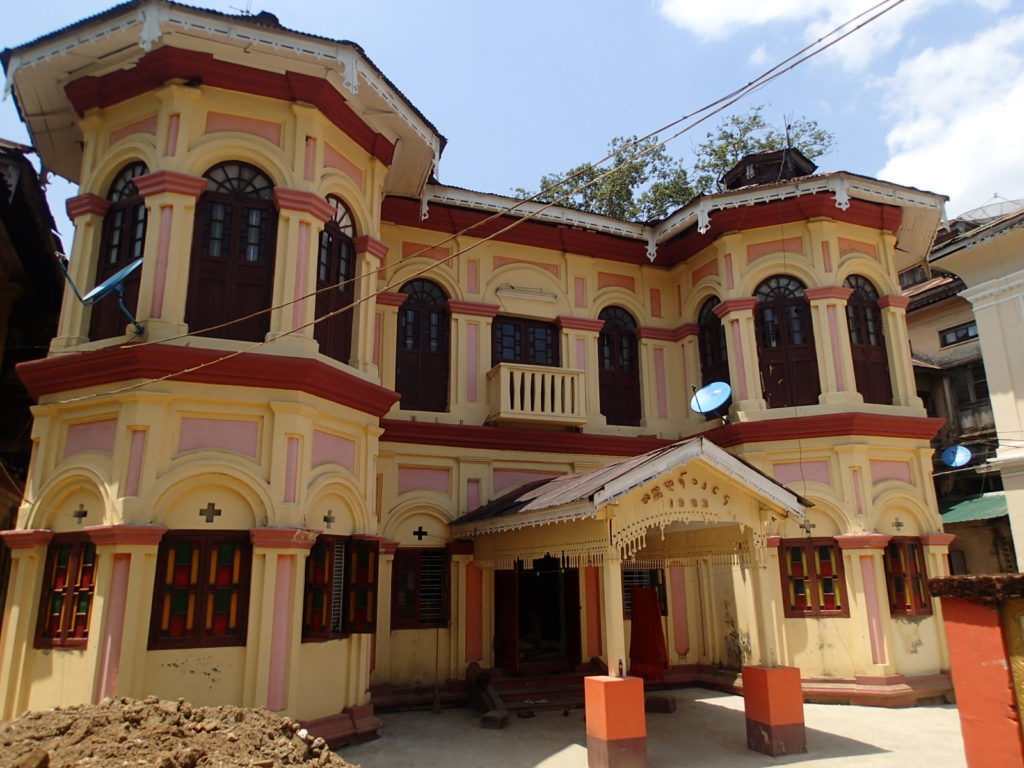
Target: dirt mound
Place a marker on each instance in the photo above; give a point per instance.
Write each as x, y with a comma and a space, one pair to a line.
119, 733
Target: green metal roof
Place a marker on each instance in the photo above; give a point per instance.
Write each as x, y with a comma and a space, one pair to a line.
982, 507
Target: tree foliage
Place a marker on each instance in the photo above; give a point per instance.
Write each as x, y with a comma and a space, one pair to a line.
651, 183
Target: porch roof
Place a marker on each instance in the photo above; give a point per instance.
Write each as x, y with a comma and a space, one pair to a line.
582, 495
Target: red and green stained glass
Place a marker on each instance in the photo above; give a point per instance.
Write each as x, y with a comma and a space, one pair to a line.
68, 592
202, 589
812, 578
905, 577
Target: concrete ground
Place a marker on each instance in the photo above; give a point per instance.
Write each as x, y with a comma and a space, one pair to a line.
707, 729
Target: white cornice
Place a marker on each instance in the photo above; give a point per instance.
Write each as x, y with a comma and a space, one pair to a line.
995, 291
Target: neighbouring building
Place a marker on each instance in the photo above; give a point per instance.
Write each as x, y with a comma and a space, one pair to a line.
30, 289
483, 442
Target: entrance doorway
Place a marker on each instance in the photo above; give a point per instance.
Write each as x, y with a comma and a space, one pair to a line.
537, 618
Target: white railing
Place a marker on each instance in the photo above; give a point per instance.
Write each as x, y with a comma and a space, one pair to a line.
537, 394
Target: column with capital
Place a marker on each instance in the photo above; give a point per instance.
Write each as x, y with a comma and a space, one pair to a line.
580, 351
832, 345
370, 252
868, 596
471, 357
897, 347
741, 342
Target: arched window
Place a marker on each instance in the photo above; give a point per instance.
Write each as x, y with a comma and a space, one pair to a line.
785, 343
122, 241
714, 357
867, 344
335, 290
619, 379
421, 361
231, 273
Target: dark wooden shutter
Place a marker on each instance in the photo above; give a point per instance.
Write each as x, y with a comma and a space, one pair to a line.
619, 377
422, 358
867, 343
335, 290
785, 343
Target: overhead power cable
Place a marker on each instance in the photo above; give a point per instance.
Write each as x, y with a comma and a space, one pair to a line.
823, 43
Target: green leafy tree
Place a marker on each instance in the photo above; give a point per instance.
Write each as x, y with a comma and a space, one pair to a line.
740, 135
651, 183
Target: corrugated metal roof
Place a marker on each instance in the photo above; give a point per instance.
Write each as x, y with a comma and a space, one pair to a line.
984, 507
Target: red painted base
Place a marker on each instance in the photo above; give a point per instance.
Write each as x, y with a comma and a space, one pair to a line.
776, 740
616, 753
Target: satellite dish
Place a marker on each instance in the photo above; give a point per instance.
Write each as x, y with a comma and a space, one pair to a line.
113, 283
956, 456
712, 399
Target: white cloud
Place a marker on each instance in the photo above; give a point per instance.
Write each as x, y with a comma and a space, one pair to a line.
716, 21
758, 57
956, 114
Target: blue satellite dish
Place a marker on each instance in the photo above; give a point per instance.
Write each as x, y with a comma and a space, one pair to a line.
711, 399
112, 283
956, 456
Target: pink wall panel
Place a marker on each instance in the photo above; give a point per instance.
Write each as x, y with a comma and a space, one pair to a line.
136, 451
506, 479
797, 471
280, 637
328, 448
680, 621
91, 436
889, 470
226, 434
424, 478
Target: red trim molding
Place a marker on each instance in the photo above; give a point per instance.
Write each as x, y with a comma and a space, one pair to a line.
303, 202
579, 323
460, 547
170, 181
899, 302
656, 334
822, 205
863, 540
283, 538
825, 425
772, 542
106, 366
392, 299
734, 305
25, 539
450, 219
388, 547
828, 292
142, 535
508, 439
937, 539
167, 63
686, 330
477, 308
371, 245
81, 205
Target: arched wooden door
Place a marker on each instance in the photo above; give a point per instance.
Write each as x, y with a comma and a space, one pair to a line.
714, 356
335, 290
619, 379
422, 358
785, 343
867, 343
122, 242
231, 273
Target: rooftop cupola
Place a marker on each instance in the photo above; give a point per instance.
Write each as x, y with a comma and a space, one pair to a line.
768, 168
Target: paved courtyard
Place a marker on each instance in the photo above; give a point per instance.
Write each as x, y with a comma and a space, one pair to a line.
707, 729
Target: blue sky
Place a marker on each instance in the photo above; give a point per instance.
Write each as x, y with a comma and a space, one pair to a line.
931, 95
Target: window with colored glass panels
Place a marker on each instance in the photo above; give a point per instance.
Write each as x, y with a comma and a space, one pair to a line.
340, 595
906, 577
67, 592
644, 578
419, 594
201, 595
812, 578
519, 340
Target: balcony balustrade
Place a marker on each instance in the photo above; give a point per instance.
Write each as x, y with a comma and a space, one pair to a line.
536, 394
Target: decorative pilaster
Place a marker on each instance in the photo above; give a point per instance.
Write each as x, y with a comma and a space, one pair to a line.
171, 211
580, 351
382, 637
741, 342
862, 553
86, 213
471, 336
661, 362
897, 347
689, 340
385, 335
611, 614
28, 558
302, 216
279, 556
370, 252
832, 345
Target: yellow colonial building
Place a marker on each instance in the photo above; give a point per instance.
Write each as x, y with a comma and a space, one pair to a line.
370, 429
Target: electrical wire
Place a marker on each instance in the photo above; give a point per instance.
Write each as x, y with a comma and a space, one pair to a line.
708, 111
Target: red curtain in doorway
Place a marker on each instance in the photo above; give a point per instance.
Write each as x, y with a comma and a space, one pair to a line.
648, 654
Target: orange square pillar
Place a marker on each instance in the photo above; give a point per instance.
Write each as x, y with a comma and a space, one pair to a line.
774, 705
616, 723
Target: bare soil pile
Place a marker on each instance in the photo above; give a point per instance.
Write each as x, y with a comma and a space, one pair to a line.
120, 733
